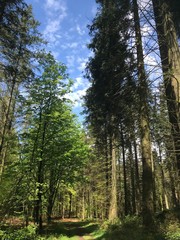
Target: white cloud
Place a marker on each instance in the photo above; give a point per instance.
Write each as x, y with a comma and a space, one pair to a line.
76, 97
56, 6
55, 54
143, 3
80, 30
52, 26
150, 60
78, 82
72, 45
70, 61
56, 11
82, 63
82, 66
78, 91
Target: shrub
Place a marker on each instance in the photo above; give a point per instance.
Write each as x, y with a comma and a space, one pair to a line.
173, 232
27, 233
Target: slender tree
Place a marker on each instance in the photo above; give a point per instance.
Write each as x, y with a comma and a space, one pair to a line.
147, 178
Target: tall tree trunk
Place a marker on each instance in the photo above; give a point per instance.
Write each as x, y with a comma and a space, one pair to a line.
137, 180
83, 204
7, 119
70, 204
170, 59
165, 204
107, 176
113, 201
147, 177
125, 175
40, 179
132, 178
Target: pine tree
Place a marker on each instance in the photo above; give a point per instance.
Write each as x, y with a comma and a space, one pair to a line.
170, 59
147, 178
109, 73
18, 40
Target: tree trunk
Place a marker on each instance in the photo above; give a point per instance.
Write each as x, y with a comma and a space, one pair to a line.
70, 204
147, 177
5, 127
113, 201
165, 203
40, 174
137, 181
132, 179
125, 175
170, 59
107, 176
83, 204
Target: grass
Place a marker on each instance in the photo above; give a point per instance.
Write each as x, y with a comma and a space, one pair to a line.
130, 228
70, 230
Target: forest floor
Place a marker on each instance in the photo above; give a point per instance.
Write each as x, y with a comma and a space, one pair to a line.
130, 228
72, 229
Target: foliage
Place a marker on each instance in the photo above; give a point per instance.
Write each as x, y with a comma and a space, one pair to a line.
173, 232
129, 228
27, 233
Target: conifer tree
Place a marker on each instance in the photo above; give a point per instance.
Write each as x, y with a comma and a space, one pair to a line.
18, 40
109, 73
170, 59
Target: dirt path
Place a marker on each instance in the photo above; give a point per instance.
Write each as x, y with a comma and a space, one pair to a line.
73, 228
83, 230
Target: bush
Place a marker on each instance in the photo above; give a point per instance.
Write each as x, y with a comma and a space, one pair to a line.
27, 233
130, 228
173, 236
173, 232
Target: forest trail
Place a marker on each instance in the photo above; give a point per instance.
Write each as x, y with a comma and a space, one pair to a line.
73, 229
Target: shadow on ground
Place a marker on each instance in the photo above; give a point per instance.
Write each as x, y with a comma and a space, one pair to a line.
71, 229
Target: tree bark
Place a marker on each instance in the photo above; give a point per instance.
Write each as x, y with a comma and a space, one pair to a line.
137, 179
147, 176
38, 209
170, 59
113, 202
124, 175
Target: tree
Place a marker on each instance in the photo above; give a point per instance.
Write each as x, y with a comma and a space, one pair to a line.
109, 73
6, 6
18, 40
170, 59
55, 149
147, 178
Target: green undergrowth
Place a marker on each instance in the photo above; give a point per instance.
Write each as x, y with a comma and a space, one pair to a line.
70, 230
26, 233
55, 231
167, 227
129, 228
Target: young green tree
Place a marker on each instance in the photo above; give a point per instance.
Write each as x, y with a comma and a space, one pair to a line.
53, 147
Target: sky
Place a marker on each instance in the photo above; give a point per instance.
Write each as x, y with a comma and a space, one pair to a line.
63, 24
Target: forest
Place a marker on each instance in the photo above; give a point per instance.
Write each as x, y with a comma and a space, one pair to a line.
116, 176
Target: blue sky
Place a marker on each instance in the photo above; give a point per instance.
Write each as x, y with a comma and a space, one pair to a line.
64, 26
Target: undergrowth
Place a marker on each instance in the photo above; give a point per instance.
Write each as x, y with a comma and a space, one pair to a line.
130, 228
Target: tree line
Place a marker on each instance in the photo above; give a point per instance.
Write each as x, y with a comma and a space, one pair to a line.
42, 146
132, 108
